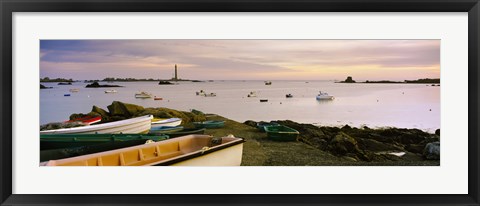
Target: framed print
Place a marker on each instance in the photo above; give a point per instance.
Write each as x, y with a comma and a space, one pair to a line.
314, 102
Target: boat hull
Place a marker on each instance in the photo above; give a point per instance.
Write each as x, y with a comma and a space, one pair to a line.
60, 141
172, 122
138, 125
165, 129
281, 133
209, 124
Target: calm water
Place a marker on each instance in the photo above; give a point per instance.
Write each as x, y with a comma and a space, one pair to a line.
373, 105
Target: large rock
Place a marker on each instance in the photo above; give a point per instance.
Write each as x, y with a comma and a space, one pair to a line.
124, 109
432, 151
342, 144
250, 123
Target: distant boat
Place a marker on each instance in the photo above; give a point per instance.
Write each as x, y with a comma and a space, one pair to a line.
209, 124
268, 83
281, 133
143, 95
210, 95
157, 98
111, 91
201, 92
252, 94
74, 90
191, 150
165, 129
261, 125
129, 126
324, 96
66, 95
88, 120
58, 141
264, 100
289, 96
166, 122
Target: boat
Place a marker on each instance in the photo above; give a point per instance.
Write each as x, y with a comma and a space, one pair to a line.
201, 93
281, 133
264, 100
129, 126
209, 124
261, 125
268, 83
190, 150
143, 95
186, 132
210, 95
157, 98
324, 96
165, 129
111, 91
58, 141
87, 120
166, 122
74, 90
252, 94
66, 95
288, 95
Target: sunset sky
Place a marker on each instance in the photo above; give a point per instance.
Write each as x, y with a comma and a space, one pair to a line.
241, 59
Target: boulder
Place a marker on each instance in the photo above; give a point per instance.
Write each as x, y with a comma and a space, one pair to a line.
437, 132
101, 112
124, 109
342, 144
432, 151
161, 112
415, 148
250, 123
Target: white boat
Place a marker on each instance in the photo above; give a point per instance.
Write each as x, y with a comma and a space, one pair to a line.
172, 122
129, 126
74, 90
252, 94
143, 95
111, 91
201, 93
324, 96
190, 150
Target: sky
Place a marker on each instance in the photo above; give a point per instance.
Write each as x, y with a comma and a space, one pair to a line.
241, 59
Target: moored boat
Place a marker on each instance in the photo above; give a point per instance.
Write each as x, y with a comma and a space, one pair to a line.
87, 120
324, 96
264, 100
186, 132
252, 94
268, 83
165, 129
261, 125
58, 141
157, 98
111, 91
74, 90
66, 95
166, 122
288, 95
210, 95
129, 126
281, 133
209, 124
143, 95
191, 150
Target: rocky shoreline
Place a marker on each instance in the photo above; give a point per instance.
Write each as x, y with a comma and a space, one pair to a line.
327, 146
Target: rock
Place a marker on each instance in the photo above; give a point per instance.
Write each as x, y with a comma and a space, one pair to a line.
415, 148
437, 132
251, 123
124, 109
60, 125
342, 144
432, 151
101, 112
186, 117
97, 85
375, 146
44, 87
164, 82
349, 80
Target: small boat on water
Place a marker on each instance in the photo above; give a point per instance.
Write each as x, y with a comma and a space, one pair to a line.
252, 94
288, 95
268, 83
157, 98
111, 91
191, 150
201, 93
264, 100
166, 122
58, 141
324, 96
74, 90
87, 120
129, 126
261, 125
281, 133
209, 124
143, 95
210, 95
66, 95
165, 129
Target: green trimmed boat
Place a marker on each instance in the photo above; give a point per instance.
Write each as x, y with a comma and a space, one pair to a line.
185, 132
209, 124
281, 133
59, 141
165, 129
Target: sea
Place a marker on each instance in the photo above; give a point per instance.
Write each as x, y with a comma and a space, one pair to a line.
358, 105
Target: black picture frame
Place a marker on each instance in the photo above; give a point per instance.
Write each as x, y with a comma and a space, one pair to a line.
7, 7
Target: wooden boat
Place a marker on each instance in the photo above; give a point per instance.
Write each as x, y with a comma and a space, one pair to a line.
143, 95
261, 125
186, 132
209, 124
87, 120
172, 122
165, 129
58, 141
281, 133
129, 126
191, 150
264, 100
111, 91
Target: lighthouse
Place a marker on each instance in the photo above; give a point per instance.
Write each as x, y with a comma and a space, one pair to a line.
176, 77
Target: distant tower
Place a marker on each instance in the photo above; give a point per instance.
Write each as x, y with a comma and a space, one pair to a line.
176, 77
